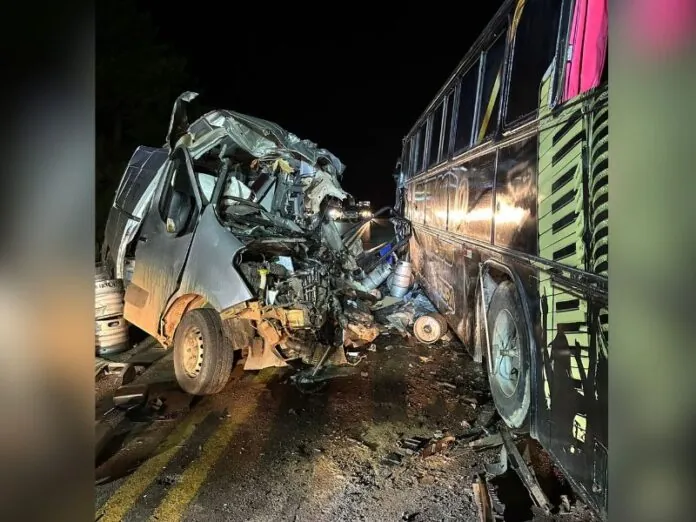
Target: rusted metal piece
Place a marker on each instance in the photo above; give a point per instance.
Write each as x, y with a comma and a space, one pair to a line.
429, 328
262, 356
172, 317
254, 311
262, 329
483, 499
439, 446
525, 474
356, 335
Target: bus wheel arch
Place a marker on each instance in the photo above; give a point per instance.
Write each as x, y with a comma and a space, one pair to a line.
508, 343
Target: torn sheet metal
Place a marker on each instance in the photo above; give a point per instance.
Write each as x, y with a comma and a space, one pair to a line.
525, 474
358, 335
258, 137
483, 499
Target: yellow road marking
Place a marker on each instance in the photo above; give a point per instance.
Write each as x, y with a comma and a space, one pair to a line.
174, 505
133, 488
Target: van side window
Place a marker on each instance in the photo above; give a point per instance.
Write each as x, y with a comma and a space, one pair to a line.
535, 29
178, 186
465, 112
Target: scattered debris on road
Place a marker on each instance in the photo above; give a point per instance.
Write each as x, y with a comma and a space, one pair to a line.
437, 447
525, 474
483, 499
131, 395
385, 451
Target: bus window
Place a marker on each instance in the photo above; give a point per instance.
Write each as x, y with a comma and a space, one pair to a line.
420, 149
490, 91
470, 208
436, 122
449, 101
415, 169
406, 159
412, 154
516, 197
535, 36
465, 112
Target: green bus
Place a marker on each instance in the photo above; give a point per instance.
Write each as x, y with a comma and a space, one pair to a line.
504, 178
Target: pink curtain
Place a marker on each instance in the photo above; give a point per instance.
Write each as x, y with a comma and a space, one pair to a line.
588, 40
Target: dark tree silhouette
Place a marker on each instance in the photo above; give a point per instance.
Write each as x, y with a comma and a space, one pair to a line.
138, 77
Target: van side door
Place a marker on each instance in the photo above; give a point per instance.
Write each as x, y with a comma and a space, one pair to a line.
163, 243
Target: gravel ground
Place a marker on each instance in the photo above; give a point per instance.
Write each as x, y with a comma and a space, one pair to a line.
263, 451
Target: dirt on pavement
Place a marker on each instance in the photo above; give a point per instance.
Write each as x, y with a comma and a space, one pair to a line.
261, 450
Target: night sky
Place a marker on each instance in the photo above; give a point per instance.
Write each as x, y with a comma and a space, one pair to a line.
353, 80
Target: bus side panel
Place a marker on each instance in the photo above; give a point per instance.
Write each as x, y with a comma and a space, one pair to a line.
516, 223
448, 271
571, 407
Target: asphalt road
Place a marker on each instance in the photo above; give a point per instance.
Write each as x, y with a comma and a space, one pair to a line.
262, 451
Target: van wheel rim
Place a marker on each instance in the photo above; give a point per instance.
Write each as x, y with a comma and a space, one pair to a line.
506, 354
193, 352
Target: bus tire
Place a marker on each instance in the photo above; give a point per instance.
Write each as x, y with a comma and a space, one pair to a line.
509, 364
202, 359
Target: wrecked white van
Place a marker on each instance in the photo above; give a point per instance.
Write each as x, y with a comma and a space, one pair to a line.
226, 230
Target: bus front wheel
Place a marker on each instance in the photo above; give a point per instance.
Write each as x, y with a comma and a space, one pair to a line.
508, 357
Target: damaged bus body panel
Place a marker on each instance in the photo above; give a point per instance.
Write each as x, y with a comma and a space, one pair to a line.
233, 249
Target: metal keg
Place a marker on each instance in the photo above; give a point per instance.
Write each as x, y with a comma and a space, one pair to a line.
429, 328
101, 272
108, 298
401, 279
111, 336
376, 277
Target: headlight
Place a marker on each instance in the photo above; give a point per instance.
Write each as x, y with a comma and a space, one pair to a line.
366, 214
334, 213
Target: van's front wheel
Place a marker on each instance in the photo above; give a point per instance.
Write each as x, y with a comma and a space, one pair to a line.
509, 357
202, 359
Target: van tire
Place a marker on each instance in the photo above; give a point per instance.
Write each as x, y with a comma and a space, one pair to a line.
511, 395
202, 358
